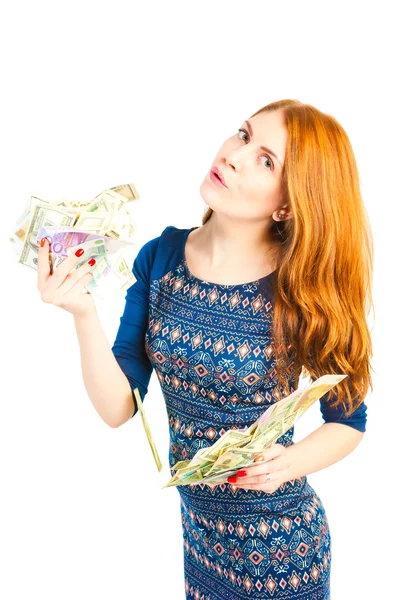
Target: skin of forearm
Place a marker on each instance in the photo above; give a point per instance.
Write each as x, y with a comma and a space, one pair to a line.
106, 384
325, 446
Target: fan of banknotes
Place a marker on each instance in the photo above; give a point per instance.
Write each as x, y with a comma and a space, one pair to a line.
104, 227
237, 448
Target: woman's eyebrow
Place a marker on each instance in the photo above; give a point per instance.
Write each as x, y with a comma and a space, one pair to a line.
263, 147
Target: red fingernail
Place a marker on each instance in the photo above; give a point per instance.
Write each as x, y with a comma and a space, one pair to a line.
42, 242
232, 479
79, 252
92, 262
241, 473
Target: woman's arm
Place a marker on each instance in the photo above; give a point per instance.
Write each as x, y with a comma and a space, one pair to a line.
325, 446
106, 384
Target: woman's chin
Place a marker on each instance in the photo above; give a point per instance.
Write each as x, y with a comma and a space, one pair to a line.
210, 193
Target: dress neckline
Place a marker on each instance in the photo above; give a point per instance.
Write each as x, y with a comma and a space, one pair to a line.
221, 285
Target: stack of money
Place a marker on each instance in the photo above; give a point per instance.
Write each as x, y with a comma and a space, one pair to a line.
236, 449
104, 227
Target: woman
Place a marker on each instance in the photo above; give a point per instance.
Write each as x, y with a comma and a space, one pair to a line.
284, 249
276, 277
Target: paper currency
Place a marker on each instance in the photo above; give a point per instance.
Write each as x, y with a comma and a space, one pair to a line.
147, 428
68, 224
237, 448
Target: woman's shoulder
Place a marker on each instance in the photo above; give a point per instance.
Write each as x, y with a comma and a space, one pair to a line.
163, 251
168, 235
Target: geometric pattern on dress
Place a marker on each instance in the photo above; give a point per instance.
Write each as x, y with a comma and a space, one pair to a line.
210, 347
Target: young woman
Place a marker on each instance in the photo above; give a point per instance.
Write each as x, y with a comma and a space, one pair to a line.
278, 276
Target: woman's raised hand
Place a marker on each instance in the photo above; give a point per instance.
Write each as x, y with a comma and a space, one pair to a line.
63, 288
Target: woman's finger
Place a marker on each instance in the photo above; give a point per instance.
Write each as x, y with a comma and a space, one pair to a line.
258, 478
73, 279
76, 290
270, 466
43, 264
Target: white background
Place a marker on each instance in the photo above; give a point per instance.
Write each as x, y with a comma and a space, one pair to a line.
99, 94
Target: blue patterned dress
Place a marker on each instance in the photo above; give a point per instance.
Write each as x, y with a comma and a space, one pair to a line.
210, 347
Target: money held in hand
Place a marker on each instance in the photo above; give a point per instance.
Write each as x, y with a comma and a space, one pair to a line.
236, 449
104, 227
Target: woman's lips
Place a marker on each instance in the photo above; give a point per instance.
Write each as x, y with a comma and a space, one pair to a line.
215, 179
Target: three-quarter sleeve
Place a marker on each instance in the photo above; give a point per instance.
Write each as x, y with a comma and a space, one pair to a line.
357, 419
129, 345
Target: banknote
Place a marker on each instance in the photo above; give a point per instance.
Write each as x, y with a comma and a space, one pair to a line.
208, 466
112, 271
41, 214
139, 403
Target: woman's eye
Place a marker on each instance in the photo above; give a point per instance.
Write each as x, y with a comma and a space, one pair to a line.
243, 131
263, 155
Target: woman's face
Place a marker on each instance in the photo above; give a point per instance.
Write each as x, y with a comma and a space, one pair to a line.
253, 175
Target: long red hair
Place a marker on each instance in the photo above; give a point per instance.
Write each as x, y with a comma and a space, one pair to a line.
325, 257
